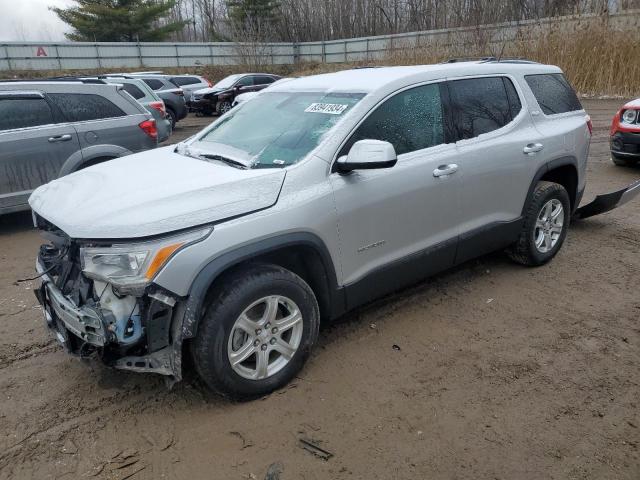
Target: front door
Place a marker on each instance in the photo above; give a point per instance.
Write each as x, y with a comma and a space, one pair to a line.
399, 225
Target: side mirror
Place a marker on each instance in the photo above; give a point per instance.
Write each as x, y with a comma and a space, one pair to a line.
367, 155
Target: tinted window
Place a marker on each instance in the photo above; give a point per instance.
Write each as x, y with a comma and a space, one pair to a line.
132, 90
410, 120
24, 112
181, 81
264, 80
554, 94
245, 82
78, 107
155, 84
478, 105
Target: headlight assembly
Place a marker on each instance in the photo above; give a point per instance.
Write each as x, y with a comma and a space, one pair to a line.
131, 267
629, 116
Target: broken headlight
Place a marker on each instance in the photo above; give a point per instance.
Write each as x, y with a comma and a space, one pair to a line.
132, 266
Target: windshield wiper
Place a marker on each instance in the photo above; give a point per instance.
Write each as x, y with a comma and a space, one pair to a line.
227, 160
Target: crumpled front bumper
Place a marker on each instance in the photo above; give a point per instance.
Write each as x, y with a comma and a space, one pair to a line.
80, 329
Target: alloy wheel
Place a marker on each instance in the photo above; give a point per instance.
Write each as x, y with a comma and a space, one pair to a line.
265, 337
549, 225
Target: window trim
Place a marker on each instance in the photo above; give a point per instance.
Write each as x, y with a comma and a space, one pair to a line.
440, 81
505, 128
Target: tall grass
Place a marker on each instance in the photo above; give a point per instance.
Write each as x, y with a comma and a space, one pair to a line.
598, 60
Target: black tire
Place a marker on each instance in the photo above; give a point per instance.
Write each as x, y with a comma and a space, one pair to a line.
622, 161
525, 251
223, 107
234, 294
173, 117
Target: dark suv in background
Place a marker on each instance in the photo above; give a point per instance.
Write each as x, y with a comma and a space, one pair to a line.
219, 98
52, 128
169, 92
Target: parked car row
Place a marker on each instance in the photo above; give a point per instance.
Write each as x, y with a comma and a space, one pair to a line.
51, 128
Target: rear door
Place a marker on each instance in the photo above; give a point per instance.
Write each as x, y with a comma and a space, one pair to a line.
492, 130
399, 224
560, 119
33, 147
100, 121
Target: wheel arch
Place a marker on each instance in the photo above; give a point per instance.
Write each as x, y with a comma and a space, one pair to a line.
305, 254
85, 157
563, 171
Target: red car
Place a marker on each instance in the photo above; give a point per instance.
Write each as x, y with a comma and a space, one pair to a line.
625, 134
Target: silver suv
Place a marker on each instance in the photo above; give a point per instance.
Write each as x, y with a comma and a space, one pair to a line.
50, 129
316, 197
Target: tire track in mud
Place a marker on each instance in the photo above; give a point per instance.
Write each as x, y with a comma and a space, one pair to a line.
52, 428
7, 359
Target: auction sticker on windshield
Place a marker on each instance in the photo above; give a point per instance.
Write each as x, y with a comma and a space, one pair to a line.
330, 108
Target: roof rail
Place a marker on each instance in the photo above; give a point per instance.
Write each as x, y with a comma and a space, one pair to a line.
56, 79
157, 72
470, 59
490, 60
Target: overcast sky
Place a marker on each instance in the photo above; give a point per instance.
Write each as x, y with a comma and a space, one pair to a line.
31, 20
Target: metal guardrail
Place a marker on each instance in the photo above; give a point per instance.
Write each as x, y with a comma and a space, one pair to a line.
16, 56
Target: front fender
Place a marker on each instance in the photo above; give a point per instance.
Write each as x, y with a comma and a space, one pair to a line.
86, 155
212, 271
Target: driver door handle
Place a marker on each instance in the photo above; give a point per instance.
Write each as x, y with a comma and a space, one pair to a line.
60, 138
444, 170
533, 148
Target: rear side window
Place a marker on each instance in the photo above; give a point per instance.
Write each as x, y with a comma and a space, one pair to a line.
155, 84
79, 107
264, 80
23, 113
132, 90
553, 93
181, 81
410, 121
480, 105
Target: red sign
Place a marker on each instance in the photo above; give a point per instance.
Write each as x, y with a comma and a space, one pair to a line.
41, 52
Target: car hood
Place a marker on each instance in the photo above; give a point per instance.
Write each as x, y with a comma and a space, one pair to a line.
151, 193
205, 91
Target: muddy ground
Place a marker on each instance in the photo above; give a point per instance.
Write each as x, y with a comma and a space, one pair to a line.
500, 372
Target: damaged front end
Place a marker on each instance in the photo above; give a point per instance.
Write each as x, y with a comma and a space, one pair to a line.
100, 300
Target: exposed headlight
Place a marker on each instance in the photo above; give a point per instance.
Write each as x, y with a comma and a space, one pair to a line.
629, 116
132, 266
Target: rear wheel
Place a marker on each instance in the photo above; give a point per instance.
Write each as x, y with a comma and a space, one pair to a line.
257, 332
173, 117
545, 225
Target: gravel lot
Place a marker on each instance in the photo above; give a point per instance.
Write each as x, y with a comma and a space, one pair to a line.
502, 372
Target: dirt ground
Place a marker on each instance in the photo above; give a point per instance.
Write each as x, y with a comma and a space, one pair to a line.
499, 372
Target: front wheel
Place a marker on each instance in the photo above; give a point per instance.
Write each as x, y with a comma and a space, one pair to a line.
257, 332
545, 227
223, 107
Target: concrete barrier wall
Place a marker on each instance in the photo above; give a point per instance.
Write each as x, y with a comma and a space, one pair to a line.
146, 55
